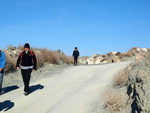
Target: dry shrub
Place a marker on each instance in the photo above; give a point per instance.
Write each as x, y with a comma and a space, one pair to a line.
10, 47
132, 52
10, 63
50, 56
118, 53
40, 58
42, 55
66, 59
114, 100
108, 54
21, 47
121, 78
54, 57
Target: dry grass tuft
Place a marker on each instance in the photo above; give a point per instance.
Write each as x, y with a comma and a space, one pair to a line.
115, 101
40, 58
121, 78
66, 59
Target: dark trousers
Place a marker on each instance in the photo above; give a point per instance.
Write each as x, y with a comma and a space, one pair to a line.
1, 79
75, 60
26, 75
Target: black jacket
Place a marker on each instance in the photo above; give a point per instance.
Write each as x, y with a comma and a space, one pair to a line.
76, 53
27, 60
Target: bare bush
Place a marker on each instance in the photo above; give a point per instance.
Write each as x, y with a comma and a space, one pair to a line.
114, 100
42, 55
66, 59
50, 56
21, 47
121, 78
10, 47
10, 63
132, 52
40, 58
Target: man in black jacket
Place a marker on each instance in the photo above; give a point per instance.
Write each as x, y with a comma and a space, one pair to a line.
27, 62
76, 55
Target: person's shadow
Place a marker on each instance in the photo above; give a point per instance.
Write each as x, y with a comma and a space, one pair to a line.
6, 105
9, 89
36, 87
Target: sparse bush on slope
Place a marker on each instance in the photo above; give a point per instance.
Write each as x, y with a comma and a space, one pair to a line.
114, 100
121, 78
131, 91
40, 58
42, 55
10, 63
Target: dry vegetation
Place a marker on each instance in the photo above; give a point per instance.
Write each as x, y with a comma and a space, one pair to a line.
121, 78
132, 52
10, 63
42, 55
115, 101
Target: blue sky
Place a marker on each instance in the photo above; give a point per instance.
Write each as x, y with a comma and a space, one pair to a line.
94, 26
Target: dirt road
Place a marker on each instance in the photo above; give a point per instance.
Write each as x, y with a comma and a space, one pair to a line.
74, 90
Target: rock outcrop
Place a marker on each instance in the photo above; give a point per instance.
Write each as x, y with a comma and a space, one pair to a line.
139, 86
132, 55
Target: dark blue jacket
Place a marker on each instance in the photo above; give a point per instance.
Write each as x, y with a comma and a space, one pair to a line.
76, 53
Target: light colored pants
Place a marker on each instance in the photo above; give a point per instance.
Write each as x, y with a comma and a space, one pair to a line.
1, 79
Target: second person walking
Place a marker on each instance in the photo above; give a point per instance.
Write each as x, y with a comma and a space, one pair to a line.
27, 62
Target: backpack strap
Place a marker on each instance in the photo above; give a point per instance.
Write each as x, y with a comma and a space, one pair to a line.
0, 52
21, 57
32, 55
22, 54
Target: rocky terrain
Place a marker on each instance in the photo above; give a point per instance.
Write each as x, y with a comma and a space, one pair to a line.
130, 91
131, 55
138, 86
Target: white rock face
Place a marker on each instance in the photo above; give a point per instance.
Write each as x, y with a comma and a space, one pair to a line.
114, 56
145, 50
99, 60
138, 49
90, 61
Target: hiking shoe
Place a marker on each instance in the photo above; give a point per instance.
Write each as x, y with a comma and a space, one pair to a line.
26, 93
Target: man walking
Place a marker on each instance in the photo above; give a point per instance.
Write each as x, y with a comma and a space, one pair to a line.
27, 62
76, 55
2, 64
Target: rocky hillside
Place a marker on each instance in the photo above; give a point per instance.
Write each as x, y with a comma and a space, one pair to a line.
130, 92
131, 55
139, 86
